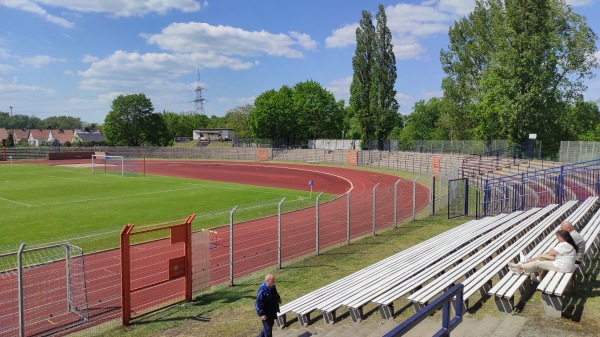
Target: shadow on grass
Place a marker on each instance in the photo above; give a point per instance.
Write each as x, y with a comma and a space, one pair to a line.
584, 289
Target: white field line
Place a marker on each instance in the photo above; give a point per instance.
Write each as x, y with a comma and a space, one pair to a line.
16, 202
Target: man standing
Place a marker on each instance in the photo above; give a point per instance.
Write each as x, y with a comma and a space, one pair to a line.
579, 241
267, 305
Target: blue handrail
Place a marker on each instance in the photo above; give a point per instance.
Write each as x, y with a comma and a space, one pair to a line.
444, 301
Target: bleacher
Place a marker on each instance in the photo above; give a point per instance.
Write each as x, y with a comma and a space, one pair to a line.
475, 254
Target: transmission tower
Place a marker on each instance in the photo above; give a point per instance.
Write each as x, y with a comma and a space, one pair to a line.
199, 101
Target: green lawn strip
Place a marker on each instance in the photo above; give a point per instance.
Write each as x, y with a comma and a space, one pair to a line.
39, 202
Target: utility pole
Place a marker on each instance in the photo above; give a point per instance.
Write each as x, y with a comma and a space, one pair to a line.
199, 99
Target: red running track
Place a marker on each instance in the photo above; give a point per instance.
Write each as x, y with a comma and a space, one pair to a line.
255, 242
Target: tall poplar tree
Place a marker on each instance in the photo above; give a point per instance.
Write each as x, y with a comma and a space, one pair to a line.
383, 95
360, 88
372, 94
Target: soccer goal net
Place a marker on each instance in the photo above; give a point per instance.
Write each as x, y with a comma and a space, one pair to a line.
44, 290
106, 164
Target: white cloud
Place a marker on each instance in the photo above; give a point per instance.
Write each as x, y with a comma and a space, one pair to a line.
14, 90
246, 100
597, 55
403, 98
118, 8
457, 7
32, 6
340, 88
415, 20
89, 59
342, 37
5, 68
126, 70
39, 61
408, 48
226, 40
576, 3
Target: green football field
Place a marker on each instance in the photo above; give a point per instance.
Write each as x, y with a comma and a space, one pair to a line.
39, 202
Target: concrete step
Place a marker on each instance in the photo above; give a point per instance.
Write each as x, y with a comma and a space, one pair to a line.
509, 326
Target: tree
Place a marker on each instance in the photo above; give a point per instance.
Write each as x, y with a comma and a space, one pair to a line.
132, 122
10, 140
372, 94
237, 120
514, 67
383, 102
362, 66
273, 117
317, 113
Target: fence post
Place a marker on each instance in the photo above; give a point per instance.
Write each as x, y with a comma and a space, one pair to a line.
20, 285
432, 195
561, 181
348, 217
415, 198
317, 223
68, 266
396, 203
279, 233
374, 207
231, 246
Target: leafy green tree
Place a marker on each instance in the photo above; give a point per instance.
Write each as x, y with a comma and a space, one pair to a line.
383, 102
237, 120
362, 77
132, 122
514, 67
10, 140
318, 114
372, 94
273, 117
62, 122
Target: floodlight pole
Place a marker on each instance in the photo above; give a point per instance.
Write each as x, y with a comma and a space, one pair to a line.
396, 203
317, 223
21, 295
374, 208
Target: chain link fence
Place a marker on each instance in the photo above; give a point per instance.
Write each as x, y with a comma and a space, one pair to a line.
576, 152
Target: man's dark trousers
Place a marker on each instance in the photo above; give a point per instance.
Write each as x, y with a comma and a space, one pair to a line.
267, 328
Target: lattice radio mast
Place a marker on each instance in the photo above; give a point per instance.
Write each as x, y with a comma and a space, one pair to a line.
199, 101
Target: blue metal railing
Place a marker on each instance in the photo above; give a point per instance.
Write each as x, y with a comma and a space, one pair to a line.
539, 188
448, 323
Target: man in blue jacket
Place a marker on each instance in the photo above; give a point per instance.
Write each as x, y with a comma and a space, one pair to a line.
267, 305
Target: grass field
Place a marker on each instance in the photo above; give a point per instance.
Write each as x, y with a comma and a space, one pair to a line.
39, 202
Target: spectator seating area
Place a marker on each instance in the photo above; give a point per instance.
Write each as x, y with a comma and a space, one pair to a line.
475, 254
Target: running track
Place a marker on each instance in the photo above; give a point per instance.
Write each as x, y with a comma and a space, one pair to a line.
255, 242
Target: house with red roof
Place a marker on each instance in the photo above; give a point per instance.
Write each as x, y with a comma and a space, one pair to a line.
39, 137
21, 136
61, 137
3, 135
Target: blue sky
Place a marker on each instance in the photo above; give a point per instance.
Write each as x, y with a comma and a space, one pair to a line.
73, 57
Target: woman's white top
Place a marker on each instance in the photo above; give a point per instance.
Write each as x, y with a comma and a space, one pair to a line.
564, 260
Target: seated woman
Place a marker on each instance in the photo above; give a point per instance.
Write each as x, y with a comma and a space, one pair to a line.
561, 258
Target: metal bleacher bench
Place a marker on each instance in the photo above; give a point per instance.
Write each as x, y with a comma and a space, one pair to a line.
386, 273
555, 284
524, 223
504, 291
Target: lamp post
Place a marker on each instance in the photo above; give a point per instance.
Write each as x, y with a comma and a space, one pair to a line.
406, 120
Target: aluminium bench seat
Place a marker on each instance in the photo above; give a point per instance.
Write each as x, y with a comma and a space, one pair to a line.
506, 288
556, 284
305, 304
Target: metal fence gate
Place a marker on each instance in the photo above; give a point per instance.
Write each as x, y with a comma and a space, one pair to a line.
458, 197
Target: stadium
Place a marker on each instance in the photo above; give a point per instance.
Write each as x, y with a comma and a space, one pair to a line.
96, 278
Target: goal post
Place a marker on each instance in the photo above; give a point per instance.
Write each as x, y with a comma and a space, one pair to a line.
102, 163
49, 287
